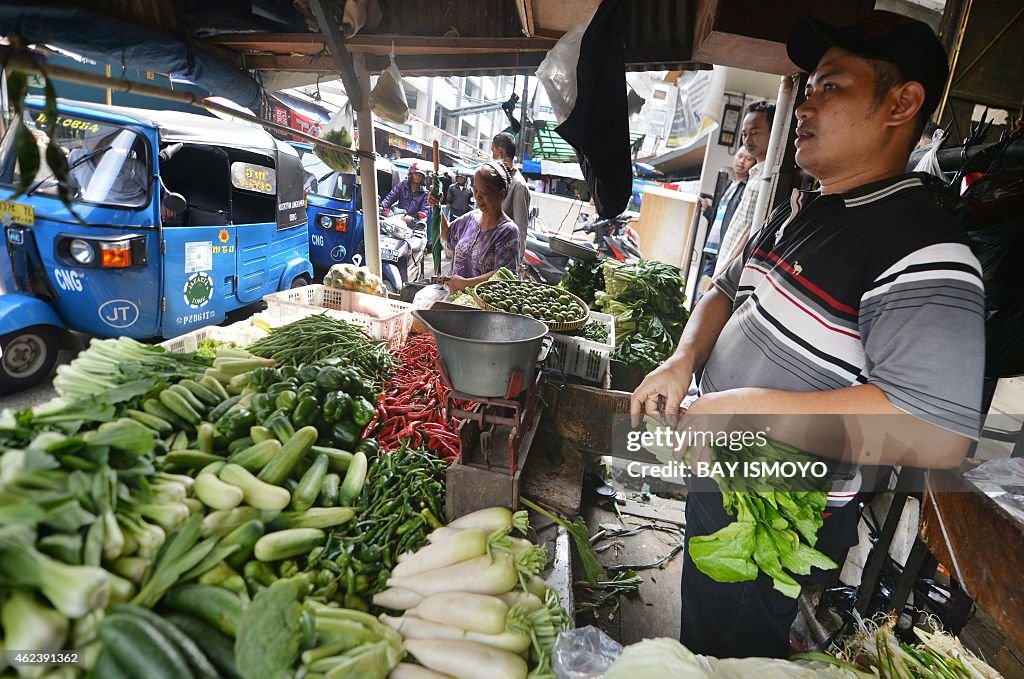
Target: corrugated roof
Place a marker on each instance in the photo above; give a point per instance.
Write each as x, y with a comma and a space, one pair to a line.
549, 145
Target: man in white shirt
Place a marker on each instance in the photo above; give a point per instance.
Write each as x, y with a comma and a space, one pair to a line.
517, 203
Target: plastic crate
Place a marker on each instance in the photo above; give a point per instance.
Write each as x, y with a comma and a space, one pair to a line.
240, 334
582, 357
383, 318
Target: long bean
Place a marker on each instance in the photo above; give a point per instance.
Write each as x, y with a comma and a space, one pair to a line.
318, 337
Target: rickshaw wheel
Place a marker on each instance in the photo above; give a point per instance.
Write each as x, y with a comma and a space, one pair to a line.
28, 357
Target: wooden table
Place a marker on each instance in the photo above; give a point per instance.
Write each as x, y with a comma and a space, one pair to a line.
987, 539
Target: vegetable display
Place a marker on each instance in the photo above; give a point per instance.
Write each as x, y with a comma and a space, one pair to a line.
649, 306
584, 279
319, 337
473, 604
122, 368
535, 300
412, 404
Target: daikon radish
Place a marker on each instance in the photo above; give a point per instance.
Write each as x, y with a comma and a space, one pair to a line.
482, 575
397, 599
492, 519
439, 535
404, 670
476, 612
465, 544
467, 660
534, 586
529, 602
410, 627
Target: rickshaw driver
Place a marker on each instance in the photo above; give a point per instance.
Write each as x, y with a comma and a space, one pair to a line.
111, 170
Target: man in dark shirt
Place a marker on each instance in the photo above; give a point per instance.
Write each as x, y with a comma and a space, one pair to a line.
460, 197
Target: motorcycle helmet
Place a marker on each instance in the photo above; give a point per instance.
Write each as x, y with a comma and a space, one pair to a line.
416, 169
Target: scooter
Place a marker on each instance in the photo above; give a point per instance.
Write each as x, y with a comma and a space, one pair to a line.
548, 255
403, 242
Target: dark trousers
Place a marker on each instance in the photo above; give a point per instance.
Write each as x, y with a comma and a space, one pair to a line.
744, 619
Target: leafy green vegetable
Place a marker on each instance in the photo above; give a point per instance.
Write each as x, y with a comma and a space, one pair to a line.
577, 529
584, 279
271, 634
649, 306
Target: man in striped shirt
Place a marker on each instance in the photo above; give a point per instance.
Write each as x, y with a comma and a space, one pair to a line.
860, 299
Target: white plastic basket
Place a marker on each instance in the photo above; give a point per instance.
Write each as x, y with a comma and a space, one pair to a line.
383, 318
240, 334
582, 357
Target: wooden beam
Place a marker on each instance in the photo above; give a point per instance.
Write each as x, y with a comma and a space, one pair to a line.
525, 9
336, 43
507, 63
313, 44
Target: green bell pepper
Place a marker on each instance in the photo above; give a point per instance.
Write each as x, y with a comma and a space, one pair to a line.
337, 407
305, 412
262, 378
235, 423
368, 447
280, 425
362, 411
286, 401
352, 381
308, 374
330, 379
308, 389
279, 387
262, 406
345, 434
289, 372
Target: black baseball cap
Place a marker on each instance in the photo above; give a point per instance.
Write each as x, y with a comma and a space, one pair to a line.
909, 44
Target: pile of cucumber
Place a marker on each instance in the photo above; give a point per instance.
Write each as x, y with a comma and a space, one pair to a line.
540, 302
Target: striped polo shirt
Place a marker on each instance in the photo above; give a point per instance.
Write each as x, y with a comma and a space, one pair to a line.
873, 286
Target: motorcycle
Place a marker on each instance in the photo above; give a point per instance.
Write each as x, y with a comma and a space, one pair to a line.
403, 243
548, 254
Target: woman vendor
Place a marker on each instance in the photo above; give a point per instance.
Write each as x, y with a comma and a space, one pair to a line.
482, 240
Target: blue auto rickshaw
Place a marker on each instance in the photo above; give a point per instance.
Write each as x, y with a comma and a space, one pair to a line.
335, 209
178, 219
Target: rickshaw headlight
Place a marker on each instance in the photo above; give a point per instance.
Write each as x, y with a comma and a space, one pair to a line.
326, 222
81, 251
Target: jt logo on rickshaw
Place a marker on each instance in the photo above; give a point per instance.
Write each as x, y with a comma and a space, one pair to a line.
119, 313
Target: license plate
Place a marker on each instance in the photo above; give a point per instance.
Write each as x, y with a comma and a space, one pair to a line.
18, 212
388, 254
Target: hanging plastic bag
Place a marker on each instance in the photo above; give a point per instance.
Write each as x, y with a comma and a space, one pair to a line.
557, 73
388, 97
338, 131
929, 162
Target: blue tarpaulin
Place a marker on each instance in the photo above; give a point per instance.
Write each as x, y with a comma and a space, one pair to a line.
116, 42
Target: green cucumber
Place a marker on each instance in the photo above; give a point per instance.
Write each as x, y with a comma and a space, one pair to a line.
278, 469
217, 646
245, 536
260, 434
177, 404
206, 434
191, 398
314, 517
216, 387
202, 393
141, 650
256, 457
213, 492
215, 605
312, 481
155, 407
178, 441
200, 664
287, 543
239, 444
257, 493
190, 459
106, 667
157, 424
354, 479
337, 458
329, 493
225, 406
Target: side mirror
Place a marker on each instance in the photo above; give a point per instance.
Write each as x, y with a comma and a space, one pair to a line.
175, 202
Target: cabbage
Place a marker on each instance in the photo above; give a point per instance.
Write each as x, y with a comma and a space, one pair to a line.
657, 659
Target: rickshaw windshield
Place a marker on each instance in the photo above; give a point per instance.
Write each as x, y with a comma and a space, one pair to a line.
109, 164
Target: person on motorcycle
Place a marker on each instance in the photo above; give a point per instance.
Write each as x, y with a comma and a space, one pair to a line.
410, 195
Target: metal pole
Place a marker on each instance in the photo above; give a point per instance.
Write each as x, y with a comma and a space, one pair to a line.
776, 142
367, 170
522, 121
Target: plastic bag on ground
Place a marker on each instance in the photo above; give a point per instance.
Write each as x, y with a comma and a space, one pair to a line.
338, 131
583, 653
387, 99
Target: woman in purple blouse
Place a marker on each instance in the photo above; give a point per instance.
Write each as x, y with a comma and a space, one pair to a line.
483, 240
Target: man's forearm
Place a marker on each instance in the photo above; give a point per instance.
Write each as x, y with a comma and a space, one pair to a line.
703, 328
854, 424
